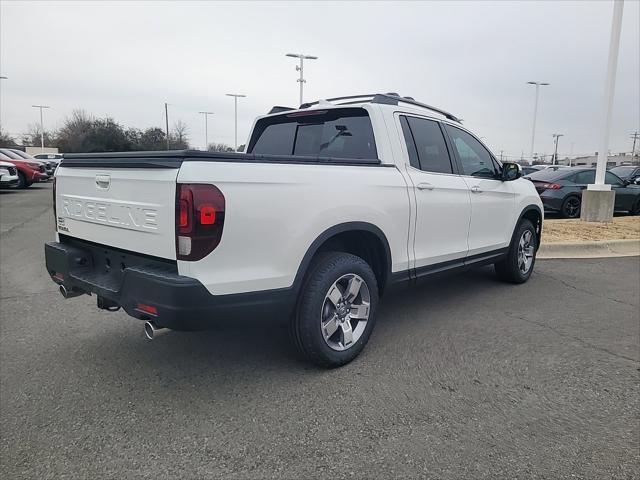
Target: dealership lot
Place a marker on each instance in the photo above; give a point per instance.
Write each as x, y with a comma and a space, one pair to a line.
464, 377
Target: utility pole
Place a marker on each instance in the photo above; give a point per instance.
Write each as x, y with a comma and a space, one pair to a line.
41, 107
166, 119
206, 130
235, 100
556, 136
635, 137
535, 115
300, 69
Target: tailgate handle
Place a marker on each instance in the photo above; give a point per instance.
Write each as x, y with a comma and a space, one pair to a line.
103, 181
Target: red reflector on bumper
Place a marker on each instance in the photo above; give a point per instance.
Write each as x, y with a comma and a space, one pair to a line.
59, 276
150, 309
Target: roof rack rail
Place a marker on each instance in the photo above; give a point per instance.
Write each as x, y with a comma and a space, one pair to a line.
388, 99
279, 109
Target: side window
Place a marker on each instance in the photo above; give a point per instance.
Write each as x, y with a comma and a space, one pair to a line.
430, 145
612, 179
411, 146
586, 177
475, 160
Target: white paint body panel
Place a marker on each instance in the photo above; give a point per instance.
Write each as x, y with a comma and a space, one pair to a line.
136, 211
274, 212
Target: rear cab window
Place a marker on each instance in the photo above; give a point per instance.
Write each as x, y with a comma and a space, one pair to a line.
336, 132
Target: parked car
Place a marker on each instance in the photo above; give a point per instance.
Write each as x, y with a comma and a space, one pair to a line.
561, 190
628, 173
333, 205
49, 157
8, 175
528, 169
28, 171
49, 165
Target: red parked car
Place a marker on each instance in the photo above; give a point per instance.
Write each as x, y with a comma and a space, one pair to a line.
29, 171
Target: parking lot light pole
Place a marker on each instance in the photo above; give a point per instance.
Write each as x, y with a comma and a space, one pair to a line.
598, 199
535, 115
300, 68
556, 136
235, 99
206, 129
41, 107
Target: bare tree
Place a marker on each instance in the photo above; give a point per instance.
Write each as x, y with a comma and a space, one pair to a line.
32, 136
179, 136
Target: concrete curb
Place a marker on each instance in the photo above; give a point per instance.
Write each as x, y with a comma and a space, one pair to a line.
590, 249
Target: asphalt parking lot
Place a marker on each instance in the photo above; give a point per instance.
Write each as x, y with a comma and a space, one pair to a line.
465, 377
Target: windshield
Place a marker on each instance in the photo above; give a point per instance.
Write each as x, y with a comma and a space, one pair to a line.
11, 155
339, 133
623, 171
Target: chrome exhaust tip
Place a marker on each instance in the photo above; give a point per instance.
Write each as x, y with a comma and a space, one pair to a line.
151, 330
70, 293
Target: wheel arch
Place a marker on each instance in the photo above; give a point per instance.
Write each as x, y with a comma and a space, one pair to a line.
359, 238
533, 213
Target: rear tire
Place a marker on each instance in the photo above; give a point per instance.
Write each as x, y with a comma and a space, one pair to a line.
22, 181
336, 309
571, 207
518, 265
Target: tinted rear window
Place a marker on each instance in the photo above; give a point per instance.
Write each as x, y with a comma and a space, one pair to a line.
338, 133
550, 174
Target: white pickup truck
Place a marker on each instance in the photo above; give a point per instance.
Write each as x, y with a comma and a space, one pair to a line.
333, 204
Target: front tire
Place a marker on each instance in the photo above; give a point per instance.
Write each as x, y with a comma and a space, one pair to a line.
336, 309
571, 207
518, 265
22, 181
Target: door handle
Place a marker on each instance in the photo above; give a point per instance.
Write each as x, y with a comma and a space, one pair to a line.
476, 189
425, 186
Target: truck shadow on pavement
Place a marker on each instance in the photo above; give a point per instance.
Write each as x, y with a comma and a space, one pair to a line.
255, 347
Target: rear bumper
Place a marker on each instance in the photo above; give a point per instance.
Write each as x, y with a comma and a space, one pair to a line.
551, 203
180, 303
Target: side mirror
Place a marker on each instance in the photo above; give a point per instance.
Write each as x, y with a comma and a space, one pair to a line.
637, 181
511, 171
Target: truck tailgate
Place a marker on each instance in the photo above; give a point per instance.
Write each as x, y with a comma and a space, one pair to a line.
128, 208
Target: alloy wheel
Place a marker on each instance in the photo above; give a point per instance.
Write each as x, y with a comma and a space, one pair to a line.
526, 252
345, 312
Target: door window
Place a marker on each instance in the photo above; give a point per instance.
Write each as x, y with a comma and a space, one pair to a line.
612, 179
426, 145
475, 160
586, 177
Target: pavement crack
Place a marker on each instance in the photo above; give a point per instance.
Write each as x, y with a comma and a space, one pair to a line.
573, 337
588, 292
15, 227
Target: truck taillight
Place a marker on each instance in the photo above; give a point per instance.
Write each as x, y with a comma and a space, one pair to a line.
199, 220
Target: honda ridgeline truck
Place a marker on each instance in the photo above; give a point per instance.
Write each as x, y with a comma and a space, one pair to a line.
332, 205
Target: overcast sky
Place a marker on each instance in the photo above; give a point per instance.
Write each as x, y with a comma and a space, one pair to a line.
125, 60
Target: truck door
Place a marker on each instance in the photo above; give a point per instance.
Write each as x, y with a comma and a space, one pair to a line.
443, 204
